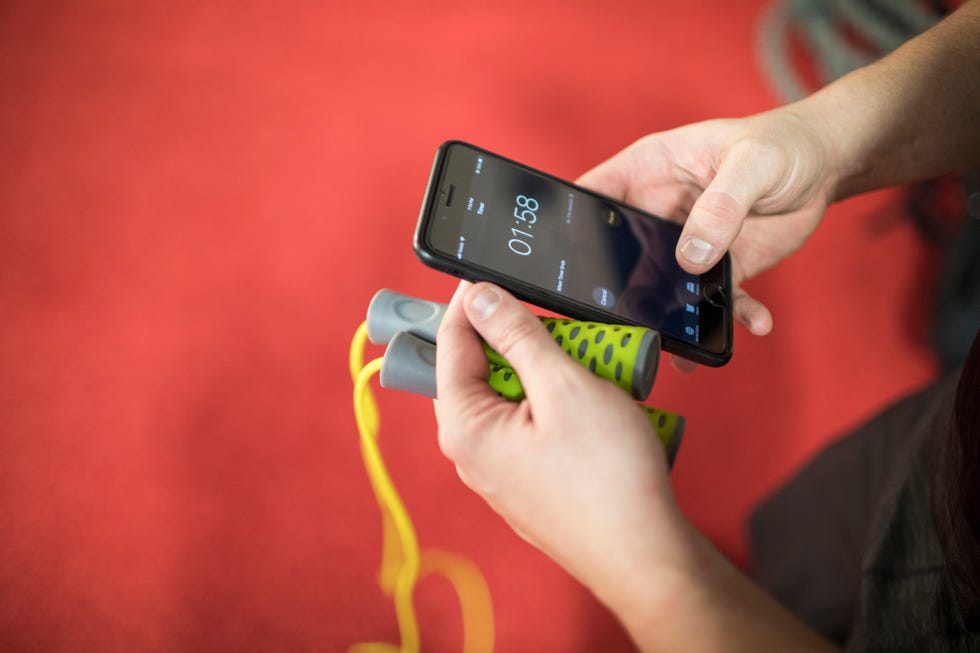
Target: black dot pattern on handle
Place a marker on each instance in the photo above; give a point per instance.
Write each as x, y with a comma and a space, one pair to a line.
582, 348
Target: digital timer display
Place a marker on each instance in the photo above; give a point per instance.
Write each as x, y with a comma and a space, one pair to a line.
526, 218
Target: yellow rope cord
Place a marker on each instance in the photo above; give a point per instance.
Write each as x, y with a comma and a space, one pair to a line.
356, 363
474, 596
402, 562
391, 555
391, 504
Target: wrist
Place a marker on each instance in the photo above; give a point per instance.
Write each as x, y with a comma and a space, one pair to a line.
647, 579
661, 603
818, 116
706, 603
909, 116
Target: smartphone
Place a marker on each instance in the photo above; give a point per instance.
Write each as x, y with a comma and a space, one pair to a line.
570, 250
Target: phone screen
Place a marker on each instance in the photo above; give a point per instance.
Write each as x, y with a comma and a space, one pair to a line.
490, 213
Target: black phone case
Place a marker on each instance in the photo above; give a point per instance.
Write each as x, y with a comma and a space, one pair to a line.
533, 295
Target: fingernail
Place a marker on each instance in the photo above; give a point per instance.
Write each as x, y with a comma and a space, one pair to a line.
698, 251
485, 303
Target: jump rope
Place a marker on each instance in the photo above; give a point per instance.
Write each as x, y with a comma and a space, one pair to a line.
626, 355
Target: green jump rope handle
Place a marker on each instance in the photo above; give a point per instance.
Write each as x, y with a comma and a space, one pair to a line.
409, 365
669, 426
626, 355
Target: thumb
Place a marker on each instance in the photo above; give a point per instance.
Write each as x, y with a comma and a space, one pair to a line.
517, 335
742, 179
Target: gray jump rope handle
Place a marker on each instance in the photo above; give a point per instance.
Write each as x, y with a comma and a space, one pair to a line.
390, 313
410, 365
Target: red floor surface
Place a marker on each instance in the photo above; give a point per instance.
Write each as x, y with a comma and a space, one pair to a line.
198, 200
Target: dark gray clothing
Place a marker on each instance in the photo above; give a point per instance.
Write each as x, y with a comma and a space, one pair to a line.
849, 543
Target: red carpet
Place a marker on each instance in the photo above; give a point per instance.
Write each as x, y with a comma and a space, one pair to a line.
197, 202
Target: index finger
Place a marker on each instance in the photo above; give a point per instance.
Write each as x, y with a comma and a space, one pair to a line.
610, 178
461, 363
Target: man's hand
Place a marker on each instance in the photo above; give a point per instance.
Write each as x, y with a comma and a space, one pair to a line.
756, 186
575, 468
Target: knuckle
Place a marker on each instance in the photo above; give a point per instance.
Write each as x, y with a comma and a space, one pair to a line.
755, 149
761, 159
750, 145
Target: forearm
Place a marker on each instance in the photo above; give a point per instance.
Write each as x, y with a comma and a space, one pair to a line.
709, 605
913, 115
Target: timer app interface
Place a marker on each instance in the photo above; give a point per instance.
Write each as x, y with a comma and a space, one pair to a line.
553, 236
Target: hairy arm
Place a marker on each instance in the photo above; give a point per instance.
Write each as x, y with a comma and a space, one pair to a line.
913, 115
